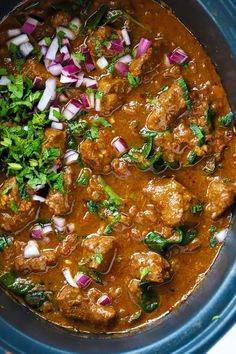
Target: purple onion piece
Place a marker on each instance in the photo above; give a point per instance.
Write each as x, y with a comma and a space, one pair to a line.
143, 47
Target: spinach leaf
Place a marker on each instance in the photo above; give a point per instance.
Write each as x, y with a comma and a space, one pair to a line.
5, 241
36, 299
199, 133
84, 176
149, 298
184, 88
226, 120
19, 286
95, 20
109, 191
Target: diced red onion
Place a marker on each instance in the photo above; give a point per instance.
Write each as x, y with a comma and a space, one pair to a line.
59, 58
59, 221
47, 63
68, 79
64, 50
47, 229
122, 68
26, 49
70, 70
70, 157
80, 80
31, 250
4, 81
143, 47
116, 45
51, 114
120, 145
38, 198
57, 125
102, 63
72, 109
89, 65
13, 32
90, 83
55, 69
29, 26
98, 104
85, 100
22, 38
52, 50
37, 232
54, 168
70, 227
49, 94
178, 56
104, 300
125, 36
67, 274
221, 236
65, 41
82, 280
126, 59
43, 42
76, 22
68, 33
43, 50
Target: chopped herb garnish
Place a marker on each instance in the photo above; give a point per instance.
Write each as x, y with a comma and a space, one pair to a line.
192, 157
135, 316
199, 133
226, 120
98, 257
14, 207
198, 208
79, 56
134, 81
144, 272
212, 231
184, 88
84, 176
109, 191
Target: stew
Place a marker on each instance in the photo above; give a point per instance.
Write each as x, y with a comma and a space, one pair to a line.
117, 162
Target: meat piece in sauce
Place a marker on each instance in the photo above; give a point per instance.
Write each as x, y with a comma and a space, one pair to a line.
98, 154
98, 252
169, 106
220, 197
60, 203
172, 200
158, 269
75, 303
68, 245
114, 90
46, 259
15, 212
54, 138
137, 65
98, 39
32, 68
134, 290
61, 18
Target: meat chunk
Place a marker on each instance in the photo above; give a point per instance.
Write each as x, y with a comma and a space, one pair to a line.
170, 105
97, 41
157, 268
38, 264
98, 154
137, 65
15, 212
68, 245
115, 90
134, 290
54, 138
33, 68
220, 197
98, 252
61, 203
61, 18
172, 200
76, 304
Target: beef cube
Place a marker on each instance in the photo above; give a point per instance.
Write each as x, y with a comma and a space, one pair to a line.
33, 68
98, 252
220, 197
134, 290
61, 18
98, 154
137, 65
170, 105
46, 259
68, 245
54, 138
75, 303
61, 203
172, 201
97, 40
115, 90
157, 267
15, 212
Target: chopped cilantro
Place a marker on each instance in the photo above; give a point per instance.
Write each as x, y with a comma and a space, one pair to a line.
212, 231
135, 316
191, 158
199, 133
198, 208
98, 257
47, 40
3, 71
6, 190
226, 120
79, 56
134, 81
14, 207
144, 272
184, 88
